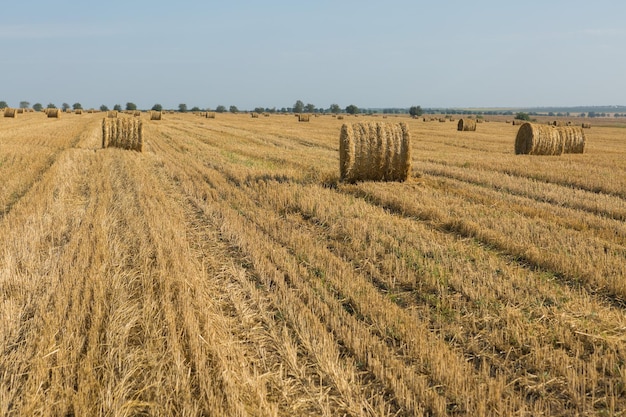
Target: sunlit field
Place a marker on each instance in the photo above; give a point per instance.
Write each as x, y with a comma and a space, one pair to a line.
226, 271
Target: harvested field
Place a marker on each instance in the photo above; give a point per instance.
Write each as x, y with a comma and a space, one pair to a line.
226, 270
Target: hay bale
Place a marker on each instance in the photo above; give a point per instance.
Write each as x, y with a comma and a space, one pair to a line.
136, 113
10, 112
586, 125
78, 111
112, 114
304, 117
125, 133
518, 122
466, 125
156, 115
254, 115
376, 151
54, 113
534, 139
210, 115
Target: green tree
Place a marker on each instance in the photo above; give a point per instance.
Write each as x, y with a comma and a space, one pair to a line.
233, 109
51, 106
259, 110
157, 107
24, 104
104, 108
334, 108
3, 104
195, 108
77, 106
309, 108
416, 111
131, 106
36, 106
523, 116
298, 107
220, 109
352, 109
182, 107
65, 106
117, 107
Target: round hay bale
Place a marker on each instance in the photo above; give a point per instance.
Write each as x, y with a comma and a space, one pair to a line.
210, 115
124, 133
303, 117
112, 114
156, 115
533, 139
377, 151
254, 115
54, 113
518, 122
10, 112
466, 125
586, 125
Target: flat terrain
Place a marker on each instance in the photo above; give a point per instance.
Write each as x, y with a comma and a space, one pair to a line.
225, 271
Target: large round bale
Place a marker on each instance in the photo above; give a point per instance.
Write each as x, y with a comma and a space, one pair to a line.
534, 139
54, 113
517, 122
112, 114
156, 115
586, 125
466, 125
125, 133
10, 112
304, 117
210, 115
376, 151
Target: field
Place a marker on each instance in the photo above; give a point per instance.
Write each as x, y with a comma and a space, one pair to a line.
225, 271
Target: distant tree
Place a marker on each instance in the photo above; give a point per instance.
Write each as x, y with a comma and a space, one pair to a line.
523, 116
416, 111
592, 114
104, 108
24, 104
131, 106
51, 106
334, 108
298, 107
233, 109
352, 109
220, 109
195, 108
117, 107
182, 107
65, 106
36, 106
77, 106
157, 107
3, 104
259, 110
309, 108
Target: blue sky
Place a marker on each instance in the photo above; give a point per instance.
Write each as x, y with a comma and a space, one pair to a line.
394, 53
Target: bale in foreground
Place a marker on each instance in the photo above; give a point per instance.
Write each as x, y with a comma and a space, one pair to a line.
125, 133
533, 139
376, 151
10, 112
466, 125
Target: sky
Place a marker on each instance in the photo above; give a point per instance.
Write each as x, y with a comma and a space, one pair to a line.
271, 53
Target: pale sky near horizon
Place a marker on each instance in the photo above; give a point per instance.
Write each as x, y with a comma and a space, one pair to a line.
394, 53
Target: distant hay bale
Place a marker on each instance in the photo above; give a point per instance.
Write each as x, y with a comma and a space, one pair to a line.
534, 139
518, 122
586, 125
466, 125
78, 111
156, 115
210, 115
54, 113
340, 117
112, 114
10, 112
137, 113
125, 133
304, 118
254, 115
442, 120
378, 151
20, 110
556, 123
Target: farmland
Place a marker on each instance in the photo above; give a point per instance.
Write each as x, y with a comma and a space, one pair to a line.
226, 271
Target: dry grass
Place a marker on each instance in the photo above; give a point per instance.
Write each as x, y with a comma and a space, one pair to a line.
226, 271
